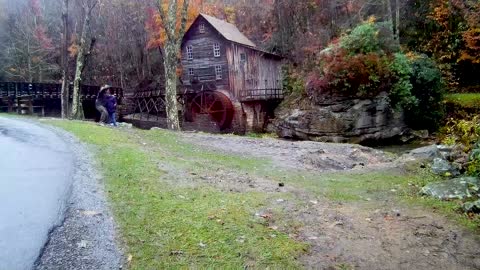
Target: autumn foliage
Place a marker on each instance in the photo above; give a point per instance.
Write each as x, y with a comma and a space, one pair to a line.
155, 27
361, 64
455, 39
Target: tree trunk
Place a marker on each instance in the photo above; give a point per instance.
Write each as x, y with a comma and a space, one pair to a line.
172, 47
29, 64
65, 89
389, 12
170, 66
397, 21
83, 52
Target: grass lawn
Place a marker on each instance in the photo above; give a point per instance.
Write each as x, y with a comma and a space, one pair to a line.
167, 222
467, 100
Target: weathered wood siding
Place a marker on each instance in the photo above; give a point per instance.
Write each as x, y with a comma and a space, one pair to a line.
259, 71
204, 61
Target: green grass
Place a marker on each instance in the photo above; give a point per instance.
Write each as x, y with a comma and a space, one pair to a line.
169, 226
466, 100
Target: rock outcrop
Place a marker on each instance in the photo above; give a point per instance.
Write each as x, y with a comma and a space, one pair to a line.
339, 119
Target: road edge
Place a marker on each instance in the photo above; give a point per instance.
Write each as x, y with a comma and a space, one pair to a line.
87, 238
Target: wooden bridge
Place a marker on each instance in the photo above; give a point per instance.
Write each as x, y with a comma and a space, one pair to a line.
45, 98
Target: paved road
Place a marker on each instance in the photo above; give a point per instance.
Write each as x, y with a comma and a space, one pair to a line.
36, 169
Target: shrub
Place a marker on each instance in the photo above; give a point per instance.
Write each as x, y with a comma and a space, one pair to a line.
292, 82
363, 39
370, 37
401, 93
360, 75
428, 88
358, 65
464, 131
473, 166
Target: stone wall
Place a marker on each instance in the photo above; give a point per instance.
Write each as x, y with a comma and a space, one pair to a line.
339, 119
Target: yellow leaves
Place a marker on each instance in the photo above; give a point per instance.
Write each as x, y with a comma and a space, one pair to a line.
371, 20
230, 14
74, 47
156, 26
412, 56
73, 50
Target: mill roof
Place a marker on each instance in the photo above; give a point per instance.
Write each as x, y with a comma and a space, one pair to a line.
228, 31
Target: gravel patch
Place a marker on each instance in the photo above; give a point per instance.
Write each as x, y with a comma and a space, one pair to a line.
306, 155
87, 237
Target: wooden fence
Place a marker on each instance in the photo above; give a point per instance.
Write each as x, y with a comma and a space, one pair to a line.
49, 90
261, 94
46, 96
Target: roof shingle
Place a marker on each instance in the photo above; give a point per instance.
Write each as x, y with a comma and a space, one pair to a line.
228, 31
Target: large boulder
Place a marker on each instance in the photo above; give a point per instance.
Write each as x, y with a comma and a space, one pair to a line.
425, 153
457, 188
441, 166
339, 119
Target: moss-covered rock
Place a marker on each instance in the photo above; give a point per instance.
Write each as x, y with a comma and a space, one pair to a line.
457, 188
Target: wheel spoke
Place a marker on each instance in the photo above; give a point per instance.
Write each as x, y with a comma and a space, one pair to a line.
214, 104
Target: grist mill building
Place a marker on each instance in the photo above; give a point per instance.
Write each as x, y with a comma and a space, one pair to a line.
227, 77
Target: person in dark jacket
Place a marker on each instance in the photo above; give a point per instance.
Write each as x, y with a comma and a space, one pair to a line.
111, 105
100, 104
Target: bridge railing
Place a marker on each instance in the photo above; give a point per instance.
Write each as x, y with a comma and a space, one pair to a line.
49, 90
261, 94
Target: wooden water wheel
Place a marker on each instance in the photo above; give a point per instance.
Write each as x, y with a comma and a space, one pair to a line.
217, 105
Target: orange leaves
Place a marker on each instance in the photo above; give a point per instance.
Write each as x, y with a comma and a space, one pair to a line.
216, 8
74, 47
155, 25
472, 46
458, 36
472, 35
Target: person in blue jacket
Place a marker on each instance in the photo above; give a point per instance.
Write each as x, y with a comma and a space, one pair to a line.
111, 106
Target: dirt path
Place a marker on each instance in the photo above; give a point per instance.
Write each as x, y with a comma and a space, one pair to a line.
297, 154
367, 235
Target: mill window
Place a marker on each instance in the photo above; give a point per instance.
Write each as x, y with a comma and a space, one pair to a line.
218, 72
216, 50
202, 28
190, 52
243, 57
190, 72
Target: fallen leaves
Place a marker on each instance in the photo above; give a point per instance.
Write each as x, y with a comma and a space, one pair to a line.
266, 216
